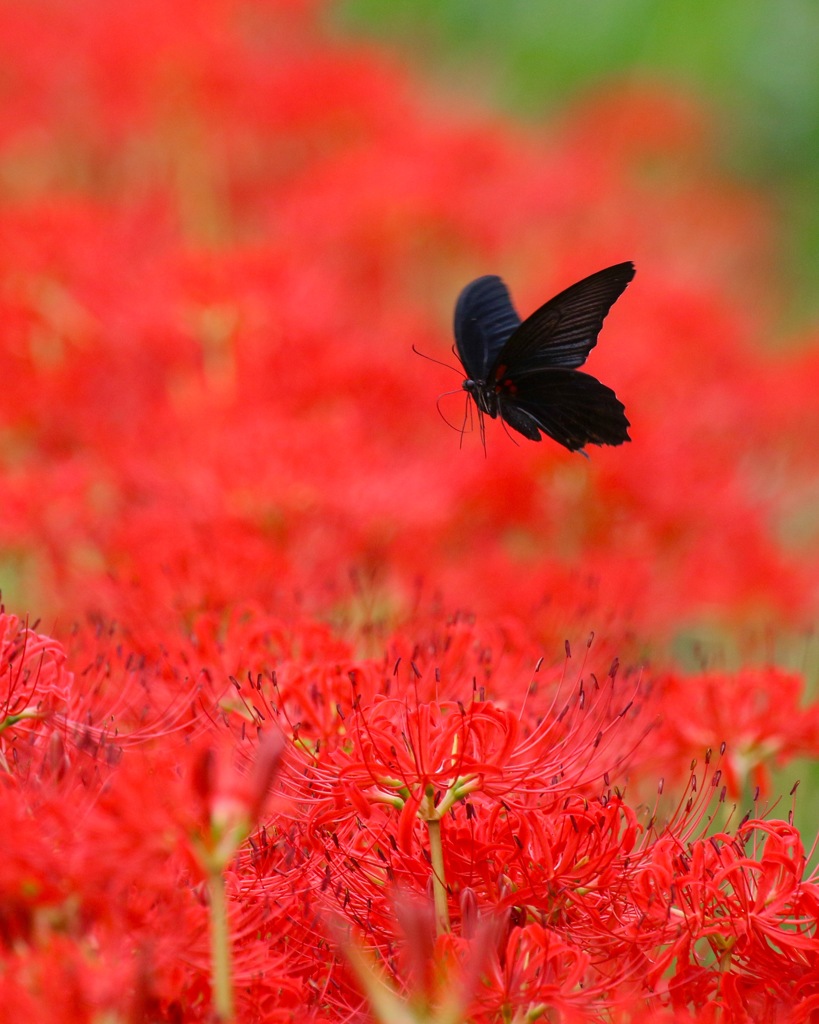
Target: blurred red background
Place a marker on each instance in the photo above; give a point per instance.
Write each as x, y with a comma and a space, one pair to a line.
222, 230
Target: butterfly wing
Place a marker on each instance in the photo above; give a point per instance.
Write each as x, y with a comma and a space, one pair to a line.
564, 330
573, 408
485, 319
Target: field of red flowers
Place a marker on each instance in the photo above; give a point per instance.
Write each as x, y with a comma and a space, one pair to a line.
313, 709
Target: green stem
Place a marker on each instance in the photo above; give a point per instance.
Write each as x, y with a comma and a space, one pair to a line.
436, 852
220, 949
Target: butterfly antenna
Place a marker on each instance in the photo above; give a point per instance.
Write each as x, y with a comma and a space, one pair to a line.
452, 426
432, 359
467, 415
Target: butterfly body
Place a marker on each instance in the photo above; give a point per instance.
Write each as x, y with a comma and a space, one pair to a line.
526, 371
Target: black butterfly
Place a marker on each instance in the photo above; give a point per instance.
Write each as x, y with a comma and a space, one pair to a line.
527, 372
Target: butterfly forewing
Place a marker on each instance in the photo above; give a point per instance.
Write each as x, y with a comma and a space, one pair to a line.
484, 320
564, 330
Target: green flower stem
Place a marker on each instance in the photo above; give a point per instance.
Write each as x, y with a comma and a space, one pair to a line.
220, 949
436, 851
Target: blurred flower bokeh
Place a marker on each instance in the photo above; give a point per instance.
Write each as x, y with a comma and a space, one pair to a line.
230, 509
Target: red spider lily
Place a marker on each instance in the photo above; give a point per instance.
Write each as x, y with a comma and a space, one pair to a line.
755, 910
538, 972
553, 860
750, 945
434, 755
34, 687
421, 761
755, 714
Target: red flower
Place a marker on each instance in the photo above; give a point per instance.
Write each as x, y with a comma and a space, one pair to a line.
423, 758
35, 690
757, 714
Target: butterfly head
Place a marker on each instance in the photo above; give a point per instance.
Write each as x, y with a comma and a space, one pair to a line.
485, 397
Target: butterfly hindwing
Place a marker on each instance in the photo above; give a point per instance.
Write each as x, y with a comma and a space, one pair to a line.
573, 408
484, 321
564, 330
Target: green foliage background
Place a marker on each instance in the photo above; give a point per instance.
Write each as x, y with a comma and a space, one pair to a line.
755, 63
